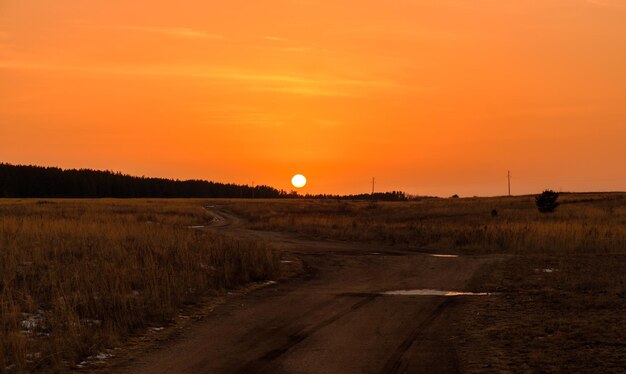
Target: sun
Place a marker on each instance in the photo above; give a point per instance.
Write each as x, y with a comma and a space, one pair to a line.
298, 181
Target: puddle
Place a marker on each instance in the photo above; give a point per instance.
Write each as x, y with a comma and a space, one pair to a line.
549, 270
427, 292
445, 256
91, 322
102, 356
195, 227
286, 262
375, 253
95, 359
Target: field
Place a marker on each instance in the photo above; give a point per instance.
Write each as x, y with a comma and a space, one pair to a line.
583, 224
80, 276
562, 288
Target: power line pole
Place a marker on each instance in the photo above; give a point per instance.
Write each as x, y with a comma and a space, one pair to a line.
373, 183
508, 177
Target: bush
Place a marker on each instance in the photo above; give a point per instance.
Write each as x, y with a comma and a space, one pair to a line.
547, 201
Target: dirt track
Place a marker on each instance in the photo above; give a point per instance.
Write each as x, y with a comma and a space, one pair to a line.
331, 319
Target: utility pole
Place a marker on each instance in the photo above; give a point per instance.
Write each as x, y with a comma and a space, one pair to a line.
373, 183
508, 177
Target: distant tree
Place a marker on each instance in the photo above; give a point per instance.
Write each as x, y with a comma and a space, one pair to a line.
547, 201
455, 196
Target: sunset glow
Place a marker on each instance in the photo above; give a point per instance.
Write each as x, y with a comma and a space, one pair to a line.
431, 97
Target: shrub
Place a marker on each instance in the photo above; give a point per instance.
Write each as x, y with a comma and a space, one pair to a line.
547, 201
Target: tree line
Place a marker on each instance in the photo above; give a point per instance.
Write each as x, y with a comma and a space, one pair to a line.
26, 181
51, 182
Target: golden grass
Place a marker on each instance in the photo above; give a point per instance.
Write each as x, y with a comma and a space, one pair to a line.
583, 223
78, 276
562, 289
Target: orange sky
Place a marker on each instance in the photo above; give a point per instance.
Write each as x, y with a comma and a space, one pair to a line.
430, 96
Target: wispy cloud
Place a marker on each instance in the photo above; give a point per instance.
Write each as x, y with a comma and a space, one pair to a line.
392, 31
297, 49
180, 32
303, 90
291, 49
274, 38
608, 3
252, 81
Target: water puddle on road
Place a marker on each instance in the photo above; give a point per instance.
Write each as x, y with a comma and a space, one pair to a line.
549, 270
428, 292
444, 256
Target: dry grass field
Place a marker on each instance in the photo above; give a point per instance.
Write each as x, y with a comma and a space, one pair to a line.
561, 303
584, 223
79, 276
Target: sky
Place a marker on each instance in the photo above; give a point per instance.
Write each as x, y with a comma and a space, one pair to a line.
431, 97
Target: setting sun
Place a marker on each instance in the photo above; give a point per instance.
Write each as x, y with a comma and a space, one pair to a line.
457, 149
298, 181
478, 87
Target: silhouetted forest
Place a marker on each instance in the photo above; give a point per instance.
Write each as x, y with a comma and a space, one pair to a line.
379, 196
37, 181
51, 182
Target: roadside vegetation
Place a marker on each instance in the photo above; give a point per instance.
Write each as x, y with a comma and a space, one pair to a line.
561, 284
584, 223
80, 276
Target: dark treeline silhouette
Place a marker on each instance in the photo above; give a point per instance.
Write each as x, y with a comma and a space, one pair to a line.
379, 196
36, 181
21, 181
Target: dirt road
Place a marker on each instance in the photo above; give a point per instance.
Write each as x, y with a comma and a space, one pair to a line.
334, 318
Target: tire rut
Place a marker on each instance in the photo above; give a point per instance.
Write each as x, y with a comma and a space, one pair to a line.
394, 364
297, 337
